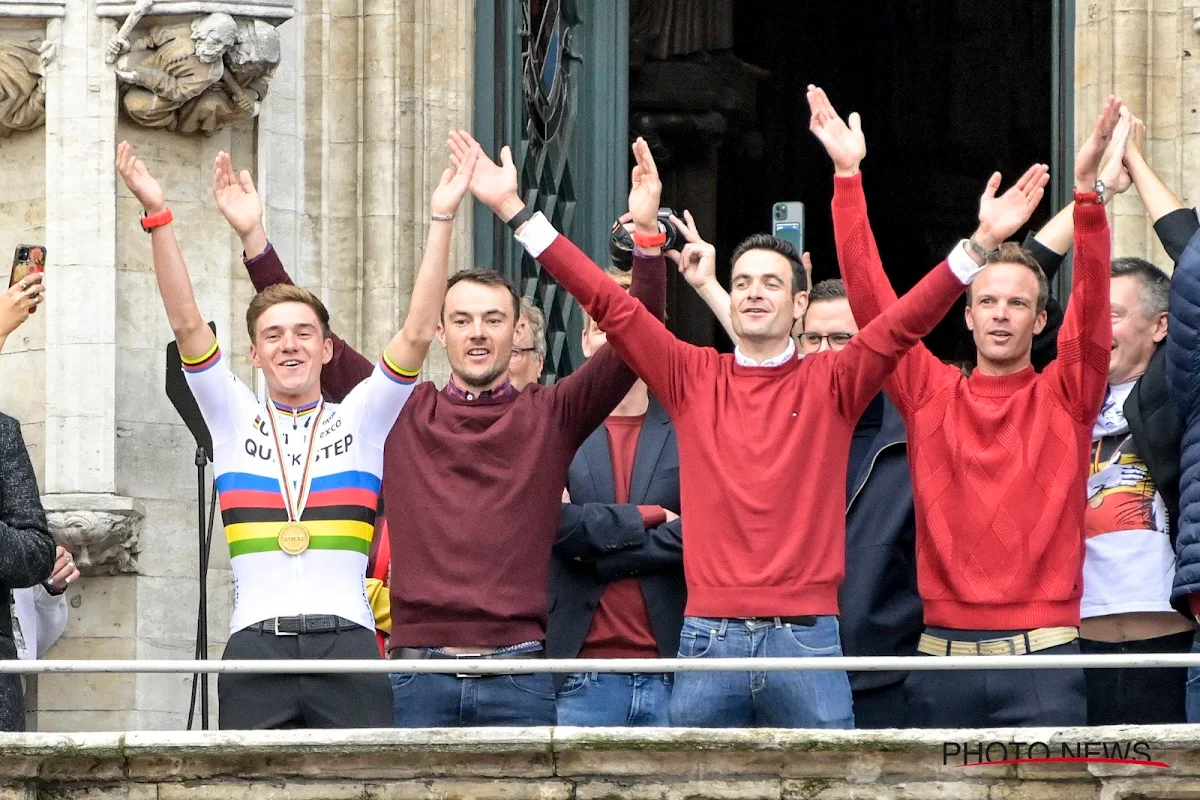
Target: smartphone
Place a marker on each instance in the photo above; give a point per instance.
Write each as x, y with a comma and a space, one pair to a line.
27, 259
787, 223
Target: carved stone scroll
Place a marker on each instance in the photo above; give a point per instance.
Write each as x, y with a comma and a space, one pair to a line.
101, 531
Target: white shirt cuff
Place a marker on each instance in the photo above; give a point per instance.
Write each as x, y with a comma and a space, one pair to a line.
962, 265
537, 234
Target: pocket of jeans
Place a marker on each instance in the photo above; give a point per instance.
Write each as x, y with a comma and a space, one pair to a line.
537, 684
821, 641
401, 679
575, 681
695, 643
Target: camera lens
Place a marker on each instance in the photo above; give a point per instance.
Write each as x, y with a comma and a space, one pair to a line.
780, 212
23, 253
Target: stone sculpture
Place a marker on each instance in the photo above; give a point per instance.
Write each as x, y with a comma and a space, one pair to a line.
23, 84
197, 77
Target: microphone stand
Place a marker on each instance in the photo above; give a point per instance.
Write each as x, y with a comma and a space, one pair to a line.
204, 531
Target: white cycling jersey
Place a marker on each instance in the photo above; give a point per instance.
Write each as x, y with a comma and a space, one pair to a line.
346, 470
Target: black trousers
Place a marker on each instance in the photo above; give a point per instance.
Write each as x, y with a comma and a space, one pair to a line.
997, 698
255, 702
1137, 696
882, 707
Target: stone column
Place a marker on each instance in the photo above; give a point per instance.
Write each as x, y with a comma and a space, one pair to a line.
1145, 51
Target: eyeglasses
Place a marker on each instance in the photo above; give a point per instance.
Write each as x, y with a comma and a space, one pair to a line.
811, 340
522, 352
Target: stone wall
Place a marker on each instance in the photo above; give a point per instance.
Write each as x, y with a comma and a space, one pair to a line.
580, 764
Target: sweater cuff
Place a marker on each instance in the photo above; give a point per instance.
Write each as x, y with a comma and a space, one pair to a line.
847, 191
258, 259
1090, 218
962, 265
652, 516
537, 235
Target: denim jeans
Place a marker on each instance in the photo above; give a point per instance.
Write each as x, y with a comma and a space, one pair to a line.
427, 700
761, 699
1193, 686
615, 700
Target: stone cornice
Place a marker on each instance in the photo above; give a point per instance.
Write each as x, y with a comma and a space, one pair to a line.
33, 8
260, 9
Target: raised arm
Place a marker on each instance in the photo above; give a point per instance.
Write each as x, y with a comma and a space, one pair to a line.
640, 337
697, 263
1085, 340
239, 202
194, 337
1173, 223
1183, 334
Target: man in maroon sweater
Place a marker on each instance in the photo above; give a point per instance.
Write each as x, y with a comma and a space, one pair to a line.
763, 560
472, 483
999, 458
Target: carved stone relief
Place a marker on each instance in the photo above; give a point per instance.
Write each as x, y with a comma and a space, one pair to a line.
197, 77
23, 84
101, 531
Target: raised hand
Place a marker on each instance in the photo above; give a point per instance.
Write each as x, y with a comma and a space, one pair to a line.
1087, 162
454, 184
806, 260
645, 189
19, 302
1114, 174
845, 144
236, 196
494, 185
1001, 217
139, 180
1135, 148
697, 261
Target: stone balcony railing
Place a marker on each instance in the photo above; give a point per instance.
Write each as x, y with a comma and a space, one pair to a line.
589, 764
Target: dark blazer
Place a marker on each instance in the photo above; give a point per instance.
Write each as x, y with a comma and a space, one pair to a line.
26, 547
600, 541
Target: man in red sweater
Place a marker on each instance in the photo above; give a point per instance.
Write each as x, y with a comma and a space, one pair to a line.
763, 560
999, 458
472, 482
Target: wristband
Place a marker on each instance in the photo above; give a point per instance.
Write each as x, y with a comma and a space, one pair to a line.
152, 221
520, 218
650, 239
1087, 198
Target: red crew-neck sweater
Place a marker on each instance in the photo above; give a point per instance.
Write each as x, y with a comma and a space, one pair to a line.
999, 464
473, 489
763, 450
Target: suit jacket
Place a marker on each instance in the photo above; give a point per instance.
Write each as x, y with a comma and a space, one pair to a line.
26, 547
600, 541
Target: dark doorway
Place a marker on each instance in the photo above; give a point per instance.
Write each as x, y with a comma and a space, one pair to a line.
949, 90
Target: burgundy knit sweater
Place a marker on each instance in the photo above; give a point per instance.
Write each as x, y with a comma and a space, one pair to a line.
999, 463
473, 490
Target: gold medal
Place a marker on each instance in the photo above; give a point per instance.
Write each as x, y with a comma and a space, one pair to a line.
293, 538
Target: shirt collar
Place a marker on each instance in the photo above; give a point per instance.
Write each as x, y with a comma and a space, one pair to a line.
787, 355
498, 393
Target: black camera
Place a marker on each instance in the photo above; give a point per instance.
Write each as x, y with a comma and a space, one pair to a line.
620, 243
23, 253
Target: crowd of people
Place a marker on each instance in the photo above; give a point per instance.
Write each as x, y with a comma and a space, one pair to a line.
830, 487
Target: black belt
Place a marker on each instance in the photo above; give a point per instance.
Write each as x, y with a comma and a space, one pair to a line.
418, 653
305, 623
807, 621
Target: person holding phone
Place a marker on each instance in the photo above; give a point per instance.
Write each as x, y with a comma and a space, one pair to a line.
19, 303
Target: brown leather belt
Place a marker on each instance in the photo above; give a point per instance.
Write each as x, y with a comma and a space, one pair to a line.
1018, 645
419, 653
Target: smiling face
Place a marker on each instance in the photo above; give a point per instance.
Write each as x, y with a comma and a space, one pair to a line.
763, 306
1003, 317
290, 348
477, 328
1136, 331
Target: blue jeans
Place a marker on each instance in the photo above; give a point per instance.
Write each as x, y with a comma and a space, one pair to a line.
1193, 686
428, 700
760, 699
615, 700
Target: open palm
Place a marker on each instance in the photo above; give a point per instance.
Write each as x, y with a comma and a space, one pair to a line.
490, 182
138, 179
236, 196
845, 144
1087, 162
645, 187
454, 185
1002, 216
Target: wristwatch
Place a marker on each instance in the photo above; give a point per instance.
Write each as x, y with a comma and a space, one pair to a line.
979, 249
1096, 198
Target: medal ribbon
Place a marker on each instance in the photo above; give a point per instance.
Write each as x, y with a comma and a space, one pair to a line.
295, 511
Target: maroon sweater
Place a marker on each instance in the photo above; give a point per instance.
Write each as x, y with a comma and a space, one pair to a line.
473, 490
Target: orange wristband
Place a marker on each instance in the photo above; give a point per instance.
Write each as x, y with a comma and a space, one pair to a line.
152, 221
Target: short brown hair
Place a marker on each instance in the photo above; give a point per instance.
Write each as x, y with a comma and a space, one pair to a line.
284, 293
624, 279
486, 277
782, 247
1013, 253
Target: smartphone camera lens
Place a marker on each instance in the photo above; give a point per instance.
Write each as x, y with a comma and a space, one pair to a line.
780, 212
23, 253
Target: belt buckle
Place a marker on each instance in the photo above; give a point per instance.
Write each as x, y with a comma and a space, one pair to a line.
466, 657
998, 647
283, 633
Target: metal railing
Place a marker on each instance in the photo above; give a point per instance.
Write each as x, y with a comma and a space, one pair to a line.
498, 666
